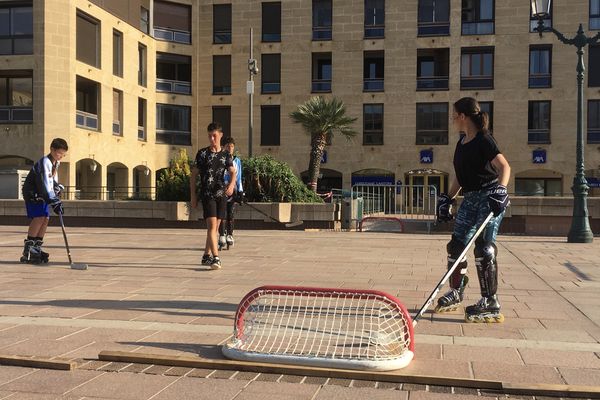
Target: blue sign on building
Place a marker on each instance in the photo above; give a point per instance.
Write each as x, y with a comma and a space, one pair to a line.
593, 182
426, 156
539, 156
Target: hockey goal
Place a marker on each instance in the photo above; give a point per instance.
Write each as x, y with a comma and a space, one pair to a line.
331, 328
381, 224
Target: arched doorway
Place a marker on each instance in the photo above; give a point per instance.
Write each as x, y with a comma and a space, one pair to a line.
328, 179
117, 181
88, 180
538, 182
422, 187
142, 183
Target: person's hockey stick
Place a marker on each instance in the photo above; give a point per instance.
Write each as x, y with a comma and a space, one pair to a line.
73, 265
287, 225
446, 276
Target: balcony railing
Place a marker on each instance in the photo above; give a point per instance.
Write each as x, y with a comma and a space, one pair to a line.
373, 85
16, 114
372, 138
374, 31
183, 138
595, 23
540, 80
434, 28
172, 35
108, 193
116, 128
141, 133
432, 82
538, 136
593, 135
86, 120
432, 136
271, 87
222, 36
322, 33
478, 28
171, 86
321, 85
477, 82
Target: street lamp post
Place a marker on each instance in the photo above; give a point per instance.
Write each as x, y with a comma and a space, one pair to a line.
580, 231
252, 70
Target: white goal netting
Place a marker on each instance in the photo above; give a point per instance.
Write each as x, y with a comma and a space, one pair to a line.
333, 328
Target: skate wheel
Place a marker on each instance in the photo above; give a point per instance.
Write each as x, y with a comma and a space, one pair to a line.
485, 319
442, 310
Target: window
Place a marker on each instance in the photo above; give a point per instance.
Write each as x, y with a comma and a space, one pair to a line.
221, 74
477, 68
488, 107
594, 66
172, 22
533, 22
117, 113
173, 124
144, 20
16, 97
477, 17
173, 73
271, 22
539, 122
321, 72
432, 123
372, 124
434, 18
270, 129
432, 69
142, 68
221, 23
540, 66
16, 29
595, 14
222, 115
322, 16
271, 73
374, 18
538, 186
88, 40
87, 103
373, 71
142, 119
593, 127
117, 53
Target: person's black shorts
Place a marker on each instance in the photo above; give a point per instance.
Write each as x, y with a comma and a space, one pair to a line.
214, 207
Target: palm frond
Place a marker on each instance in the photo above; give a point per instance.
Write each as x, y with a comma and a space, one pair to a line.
319, 116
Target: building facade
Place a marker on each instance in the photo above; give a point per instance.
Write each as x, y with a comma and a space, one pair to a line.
129, 83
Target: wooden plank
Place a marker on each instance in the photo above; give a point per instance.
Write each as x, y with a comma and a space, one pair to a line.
587, 392
389, 376
43, 363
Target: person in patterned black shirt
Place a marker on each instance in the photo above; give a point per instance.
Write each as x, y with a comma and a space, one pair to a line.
208, 183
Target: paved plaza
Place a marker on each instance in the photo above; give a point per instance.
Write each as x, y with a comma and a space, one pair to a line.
146, 292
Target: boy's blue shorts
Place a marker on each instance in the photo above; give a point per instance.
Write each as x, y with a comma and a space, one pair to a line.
35, 210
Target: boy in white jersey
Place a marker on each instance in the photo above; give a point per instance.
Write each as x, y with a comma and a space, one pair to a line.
41, 191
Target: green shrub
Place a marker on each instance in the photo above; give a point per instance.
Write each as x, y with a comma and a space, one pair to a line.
268, 180
173, 184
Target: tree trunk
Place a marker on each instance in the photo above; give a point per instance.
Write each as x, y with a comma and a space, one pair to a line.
318, 142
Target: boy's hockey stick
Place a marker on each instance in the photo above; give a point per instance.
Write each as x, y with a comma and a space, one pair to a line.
446, 276
287, 225
73, 265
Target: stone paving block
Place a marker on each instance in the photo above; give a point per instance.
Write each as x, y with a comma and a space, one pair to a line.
473, 353
124, 386
157, 369
573, 359
269, 389
222, 374
469, 391
95, 365
200, 373
113, 367
413, 387
339, 382
363, 384
265, 377
389, 385
201, 389
439, 389
136, 368
178, 371
558, 335
315, 380
9, 373
247, 376
580, 376
341, 393
51, 382
291, 378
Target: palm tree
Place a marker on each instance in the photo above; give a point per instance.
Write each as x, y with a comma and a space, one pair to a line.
321, 118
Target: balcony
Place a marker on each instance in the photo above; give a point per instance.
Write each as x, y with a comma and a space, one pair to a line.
322, 33
432, 83
171, 35
478, 28
86, 120
479, 82
373, 85
116, 128
182, 138
171, 86
538, 136
321, 85
374, 31
17, 115
593, 135
540, 80
271, 87
434, 28
141, 133
222, 36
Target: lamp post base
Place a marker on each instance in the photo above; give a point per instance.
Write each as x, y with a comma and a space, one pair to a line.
580, 236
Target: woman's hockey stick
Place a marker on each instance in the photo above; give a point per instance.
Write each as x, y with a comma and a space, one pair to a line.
287, 225
446, 276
